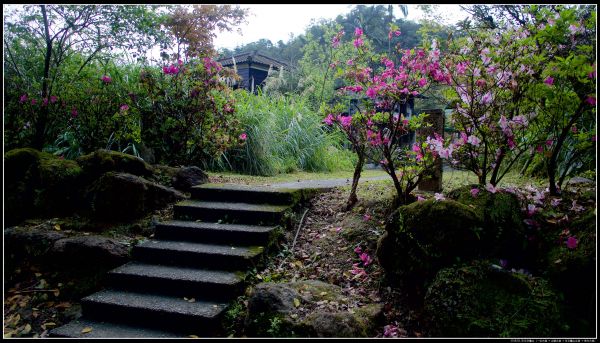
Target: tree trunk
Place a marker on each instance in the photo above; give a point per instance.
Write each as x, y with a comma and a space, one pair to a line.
352, 199
41, 122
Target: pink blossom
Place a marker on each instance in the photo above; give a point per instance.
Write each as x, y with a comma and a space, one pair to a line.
574, 129
422, 82
23, 98
571, 242
350, 62
329, 119
365, 258
366, 217
549, 81
358, 32
53, 99
511, 143
243, 136
371, 93
335, 41
487, 98
474, 192
439, 196
591, 100
531, 209
356, 270
124, 108
574, 29
74, 112
45, 102
480, 83
416, 148
539, 149
358, 42
420, 198
358, 250
391, 331
345, 121
461, 67
549, 142
473, 140
490, 188
33, 101
106, 79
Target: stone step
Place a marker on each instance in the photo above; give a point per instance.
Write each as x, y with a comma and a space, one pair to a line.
230, 212
154, 310
180, 230
223, 192
177, 281
101, 329
210, 256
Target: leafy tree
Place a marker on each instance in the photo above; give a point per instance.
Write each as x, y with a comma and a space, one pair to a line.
195, 30
49, 36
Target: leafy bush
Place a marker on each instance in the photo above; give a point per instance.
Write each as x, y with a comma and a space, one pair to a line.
187, 113
283, 135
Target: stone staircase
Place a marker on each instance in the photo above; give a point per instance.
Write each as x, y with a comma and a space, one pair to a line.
180, 282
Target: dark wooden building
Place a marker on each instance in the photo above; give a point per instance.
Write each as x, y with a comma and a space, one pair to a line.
253, 68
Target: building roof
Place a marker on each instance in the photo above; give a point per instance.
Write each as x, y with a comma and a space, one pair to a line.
253, 57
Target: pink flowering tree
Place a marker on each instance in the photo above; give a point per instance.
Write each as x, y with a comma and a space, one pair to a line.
188, 112
490, 73
377, 128
520, 91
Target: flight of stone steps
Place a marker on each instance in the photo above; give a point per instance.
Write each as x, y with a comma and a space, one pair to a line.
180, 282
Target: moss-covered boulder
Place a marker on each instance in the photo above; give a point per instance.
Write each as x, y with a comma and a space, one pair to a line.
122, 196
103, 161
504, 230
39, 184
298, 309
423, 237
572, 269
482, 300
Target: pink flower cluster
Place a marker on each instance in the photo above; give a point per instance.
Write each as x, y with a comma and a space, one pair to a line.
170, 70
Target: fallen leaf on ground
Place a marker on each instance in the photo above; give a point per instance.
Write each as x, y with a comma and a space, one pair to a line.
86, 330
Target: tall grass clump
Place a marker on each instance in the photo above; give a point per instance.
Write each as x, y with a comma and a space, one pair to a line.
283, 136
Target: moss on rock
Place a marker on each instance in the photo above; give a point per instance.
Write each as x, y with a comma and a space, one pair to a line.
122, 196
426, 236
504, 231
103, 161
480, 300
38, 183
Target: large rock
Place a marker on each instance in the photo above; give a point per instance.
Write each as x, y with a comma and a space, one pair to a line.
39, 184
90, 252
122, 196
423, 237
362, 323
504, 231
481, 300
27, 245
273, 311
188, 177
103, 161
